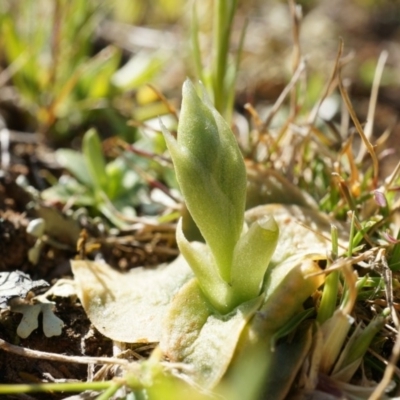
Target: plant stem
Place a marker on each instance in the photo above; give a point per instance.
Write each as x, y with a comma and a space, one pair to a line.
110, 391
352, 233
329, 295
230, 90
56, 387
196, 45
224, 11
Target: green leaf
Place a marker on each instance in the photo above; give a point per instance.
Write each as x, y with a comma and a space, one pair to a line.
94, 81
70, 190
334, 331
139, 70
285, 362
115, 173
122, 179
74, 163
286, 288
194, 334
108, 211
201, 261
302, 230
352, 355
94, 159
251, 258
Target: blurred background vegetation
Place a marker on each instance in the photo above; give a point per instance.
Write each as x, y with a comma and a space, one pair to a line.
117, 66
68, 65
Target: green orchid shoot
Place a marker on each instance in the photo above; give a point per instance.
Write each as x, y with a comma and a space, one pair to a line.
211, 173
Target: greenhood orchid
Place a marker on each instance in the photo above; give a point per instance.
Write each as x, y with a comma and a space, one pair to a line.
210, 170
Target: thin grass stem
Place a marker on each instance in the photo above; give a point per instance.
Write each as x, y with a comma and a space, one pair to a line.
55, 387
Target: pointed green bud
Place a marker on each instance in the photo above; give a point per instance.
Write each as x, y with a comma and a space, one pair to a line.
212, 176
252, 255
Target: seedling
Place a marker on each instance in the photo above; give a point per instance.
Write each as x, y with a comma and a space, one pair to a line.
37, 229
17, 291
52, 325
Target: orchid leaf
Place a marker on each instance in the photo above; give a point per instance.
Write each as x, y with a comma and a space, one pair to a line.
196, 335
301, 230
287, 286
201, 261
278, 381
251, 258
128, 307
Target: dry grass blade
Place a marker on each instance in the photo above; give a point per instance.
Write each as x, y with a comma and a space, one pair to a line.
7, 73
372, 103
391, 367
342, 262
354, 173
360, 131
389, 371
345, 117
296, 16
171, 108
328, 88
345, 191
300, 69
254, 115
331, 84
393, 176
25, 352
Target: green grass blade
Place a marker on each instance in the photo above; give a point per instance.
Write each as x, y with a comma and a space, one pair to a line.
95, 162
329, 297
196, 52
